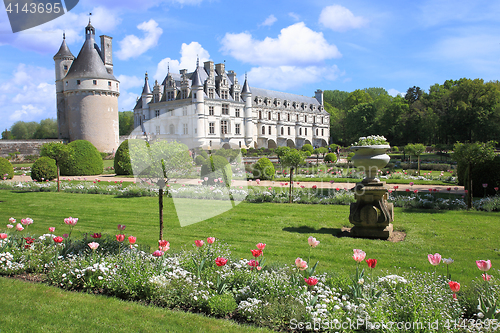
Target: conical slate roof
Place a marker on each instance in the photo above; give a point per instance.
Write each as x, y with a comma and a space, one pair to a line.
89, 63
246, 87
64, 51
146, 90
195, 78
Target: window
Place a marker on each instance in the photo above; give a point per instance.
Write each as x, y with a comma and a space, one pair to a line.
300, 131
237, 113
322, 132
279, 116
95, 82
223, 127
184, 93
211, 93
194, 95
237, 98
305, 131
78, 81
288, 130
317, 132
171, 129
210, 143
288, 117
66, 83
263, 129
65, 67
297, 117
225, 109
282, 131
305, 119
117, 86
269, 115
240, 144
314, 119
170, 95
185, 129
260, 112
223, 94
109, 83
237, 128
269, 130
210, 110
157, 113
211, 130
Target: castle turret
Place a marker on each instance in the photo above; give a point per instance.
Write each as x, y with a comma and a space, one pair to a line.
63, 61
198, 98
246, 94
90, 94
147, 95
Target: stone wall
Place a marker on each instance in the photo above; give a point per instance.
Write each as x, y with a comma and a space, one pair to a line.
24, 147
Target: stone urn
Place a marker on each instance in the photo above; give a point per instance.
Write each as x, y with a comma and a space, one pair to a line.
370, 159
371, 214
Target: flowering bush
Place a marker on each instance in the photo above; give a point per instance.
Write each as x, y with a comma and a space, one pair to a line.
371, 140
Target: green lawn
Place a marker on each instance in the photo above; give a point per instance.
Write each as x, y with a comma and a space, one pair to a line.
32, 307
463, 236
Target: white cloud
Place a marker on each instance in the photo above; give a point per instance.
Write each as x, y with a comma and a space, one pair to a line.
132, 46
29, 95
189, 54
269, 21
295, 16
295, 45
47, 38
127, 100
394, 93
289, 77
340, 19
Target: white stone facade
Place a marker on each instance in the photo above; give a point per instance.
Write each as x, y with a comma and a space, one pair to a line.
210, 109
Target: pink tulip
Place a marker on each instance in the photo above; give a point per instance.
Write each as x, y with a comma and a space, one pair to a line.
65, 235
157, 253
311, 281
26, 221
359, 255
483, 265
19, 227
312, 241
220, 261
93, 245
71, 221
261, 246
52, 229
120, 238
12, 220
3, 236
164, 245
301, 264
205, 179
210, 240
199, 243
434, 259
132, 239
10, 226
253, 263
486, 277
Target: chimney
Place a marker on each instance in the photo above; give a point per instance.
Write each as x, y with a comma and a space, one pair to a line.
107, 52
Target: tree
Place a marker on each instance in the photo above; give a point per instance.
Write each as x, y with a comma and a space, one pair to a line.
472, 155
46, 130
57, 151
280, 152
125, 122
415, 149
159, 163
6, 135
413, 94
308, 147
292, 159
320, 150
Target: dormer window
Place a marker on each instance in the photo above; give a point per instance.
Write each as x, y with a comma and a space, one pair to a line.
95, 82
65, 67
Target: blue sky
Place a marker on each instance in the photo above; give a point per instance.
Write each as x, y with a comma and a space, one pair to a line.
292, 46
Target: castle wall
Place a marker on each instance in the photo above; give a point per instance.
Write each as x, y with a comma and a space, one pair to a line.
24, 147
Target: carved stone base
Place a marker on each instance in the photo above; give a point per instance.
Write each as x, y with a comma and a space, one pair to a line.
374, 233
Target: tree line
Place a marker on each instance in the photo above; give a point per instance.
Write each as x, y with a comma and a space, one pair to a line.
463, 110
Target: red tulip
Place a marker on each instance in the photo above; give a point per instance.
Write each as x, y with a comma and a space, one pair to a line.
58, 239
253, 263
454, 286
120, 238
131, 239
96, 235
29, 240
210, 240
3, 236
220, 261
199, 243
256, 253
371, 262
486, 277
311, 281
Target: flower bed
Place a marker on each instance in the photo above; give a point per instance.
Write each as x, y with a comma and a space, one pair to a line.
206, 278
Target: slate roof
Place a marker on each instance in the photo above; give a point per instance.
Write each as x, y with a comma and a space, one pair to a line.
146, 90
64, 51
283, 96
89, 63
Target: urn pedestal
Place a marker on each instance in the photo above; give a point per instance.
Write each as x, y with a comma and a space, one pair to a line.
371, 214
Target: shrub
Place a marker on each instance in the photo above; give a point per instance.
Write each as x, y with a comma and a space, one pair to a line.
85, 160
44, 168
306, 153
263, 169
349, 157
199, 160
217, 167
122, 163
204, 154
307, 147
243, 151
6, 169
395, 149
486, 173
330, 157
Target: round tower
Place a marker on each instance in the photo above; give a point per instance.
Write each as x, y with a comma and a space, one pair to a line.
63, 61
246, 94
91, 97
198, 98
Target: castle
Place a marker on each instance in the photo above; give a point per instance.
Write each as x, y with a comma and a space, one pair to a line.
87, 93
208, 108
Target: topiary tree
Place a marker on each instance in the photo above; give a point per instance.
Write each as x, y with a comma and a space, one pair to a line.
308, 147
243, 151
292, 159
318, 151
6, 169
415, 149
122, 163
44, 168
330, 158
472, 155
280, 152
217, 167
204, 154
350, 156
85, 160
199, 160
263, 169
57, 151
